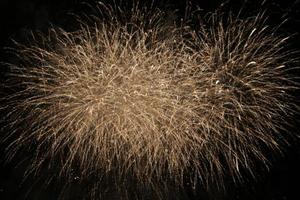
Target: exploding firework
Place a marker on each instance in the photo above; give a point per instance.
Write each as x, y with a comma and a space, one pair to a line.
151, 101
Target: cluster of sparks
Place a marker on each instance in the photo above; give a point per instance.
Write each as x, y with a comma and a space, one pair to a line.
152, 100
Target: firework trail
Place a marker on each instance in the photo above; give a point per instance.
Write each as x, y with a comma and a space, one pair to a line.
155, 101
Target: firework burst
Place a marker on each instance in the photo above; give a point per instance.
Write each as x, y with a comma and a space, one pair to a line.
152, 101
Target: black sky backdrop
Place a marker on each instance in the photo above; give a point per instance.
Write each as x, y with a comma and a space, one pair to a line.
18, 17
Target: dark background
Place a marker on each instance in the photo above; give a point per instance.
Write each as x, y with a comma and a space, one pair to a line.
17, 17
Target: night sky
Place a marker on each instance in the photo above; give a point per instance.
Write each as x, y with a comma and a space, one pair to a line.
18, 17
